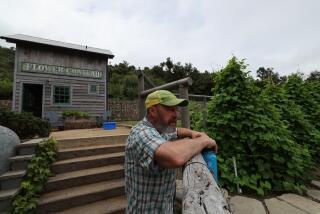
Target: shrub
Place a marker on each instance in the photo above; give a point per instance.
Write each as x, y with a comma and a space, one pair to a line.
33, 183
302, 130
5, 89
197, 116
24, 124
248, 126
75, 113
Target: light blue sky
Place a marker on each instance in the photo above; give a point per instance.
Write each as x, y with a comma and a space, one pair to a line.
283, 34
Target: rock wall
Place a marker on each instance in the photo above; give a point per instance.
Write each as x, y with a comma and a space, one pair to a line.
6, 104
124, 109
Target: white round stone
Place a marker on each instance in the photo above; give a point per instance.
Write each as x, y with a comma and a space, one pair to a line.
8, 142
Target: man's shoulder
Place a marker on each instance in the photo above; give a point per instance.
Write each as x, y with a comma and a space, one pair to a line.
139, 128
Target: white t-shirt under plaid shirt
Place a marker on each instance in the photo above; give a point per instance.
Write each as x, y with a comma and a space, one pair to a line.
149, 188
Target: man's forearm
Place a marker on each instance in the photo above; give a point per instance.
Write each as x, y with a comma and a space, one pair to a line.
176, 153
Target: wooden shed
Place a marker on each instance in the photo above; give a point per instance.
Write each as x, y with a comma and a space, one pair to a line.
52, 76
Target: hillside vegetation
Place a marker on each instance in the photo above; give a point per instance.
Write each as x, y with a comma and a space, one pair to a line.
6, 71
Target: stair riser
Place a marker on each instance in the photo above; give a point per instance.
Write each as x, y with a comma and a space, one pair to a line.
316, 185
68, 167
19, 165
91, 152
10, 183
27, 151
80, 200
58, 185
118, 212
106, 140
5, 205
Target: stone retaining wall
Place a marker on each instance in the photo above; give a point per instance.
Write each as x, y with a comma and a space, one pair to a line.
6, 104
124, 109
121, 110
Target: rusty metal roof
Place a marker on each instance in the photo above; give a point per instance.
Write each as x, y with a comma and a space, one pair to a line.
16, 38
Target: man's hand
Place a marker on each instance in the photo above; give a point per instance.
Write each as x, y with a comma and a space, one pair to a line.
211, 143
195, 134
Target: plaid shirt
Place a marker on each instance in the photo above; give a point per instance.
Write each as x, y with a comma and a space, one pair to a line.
149, 188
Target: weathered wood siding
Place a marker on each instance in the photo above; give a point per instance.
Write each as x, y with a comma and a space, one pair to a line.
80, 99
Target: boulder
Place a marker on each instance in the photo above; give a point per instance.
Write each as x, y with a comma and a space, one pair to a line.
8, 142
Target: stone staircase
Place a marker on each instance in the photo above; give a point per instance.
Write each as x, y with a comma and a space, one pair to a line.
10, 181
89, 177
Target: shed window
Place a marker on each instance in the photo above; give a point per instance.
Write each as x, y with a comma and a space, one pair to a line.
93, 89
61, 95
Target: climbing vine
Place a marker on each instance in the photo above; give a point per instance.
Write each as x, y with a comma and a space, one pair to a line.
36, 177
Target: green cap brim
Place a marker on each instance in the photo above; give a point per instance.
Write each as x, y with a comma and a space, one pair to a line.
176, 102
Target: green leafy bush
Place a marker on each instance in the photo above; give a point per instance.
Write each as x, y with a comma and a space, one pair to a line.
24, 124
75, 113
5, 88
302, 130
248, 126
306, 95
33, 183
197, 116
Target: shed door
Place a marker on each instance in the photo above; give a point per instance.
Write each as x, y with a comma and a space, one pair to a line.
32, 99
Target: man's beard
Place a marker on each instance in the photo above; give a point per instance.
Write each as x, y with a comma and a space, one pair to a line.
165, 129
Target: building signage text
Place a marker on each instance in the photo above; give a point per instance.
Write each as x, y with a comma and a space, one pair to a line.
60, 70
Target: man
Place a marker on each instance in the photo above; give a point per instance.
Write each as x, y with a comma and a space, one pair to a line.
153, 150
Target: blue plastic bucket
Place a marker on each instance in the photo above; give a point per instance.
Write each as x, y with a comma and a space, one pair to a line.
109, 125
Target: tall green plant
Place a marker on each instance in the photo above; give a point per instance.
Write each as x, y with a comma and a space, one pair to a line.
248, 127
304, 95
302, 131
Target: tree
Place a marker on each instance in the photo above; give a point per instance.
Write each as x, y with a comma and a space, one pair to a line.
267, 74
314, 76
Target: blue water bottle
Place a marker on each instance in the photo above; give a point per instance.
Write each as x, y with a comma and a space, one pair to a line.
211, 159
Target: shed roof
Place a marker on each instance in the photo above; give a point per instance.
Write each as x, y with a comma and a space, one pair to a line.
16, 38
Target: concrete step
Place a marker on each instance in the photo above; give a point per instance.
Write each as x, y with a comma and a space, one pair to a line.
6, 197
316, 183
301, 202
78, 196
91, 141
19, 162
11, 179
86, 176
245, 205
28, 147
108, 206
314, 194
89, 151
276, 206
75, 164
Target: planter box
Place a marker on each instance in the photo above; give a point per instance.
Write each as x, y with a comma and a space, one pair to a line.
78, 123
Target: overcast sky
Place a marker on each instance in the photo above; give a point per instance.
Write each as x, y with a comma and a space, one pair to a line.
283, 34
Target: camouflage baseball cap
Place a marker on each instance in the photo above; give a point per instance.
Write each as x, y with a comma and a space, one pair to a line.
165, 98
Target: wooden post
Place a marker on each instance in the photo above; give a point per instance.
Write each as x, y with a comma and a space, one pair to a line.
204, 114
168, 86
183, 93
142, 107
201, 192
